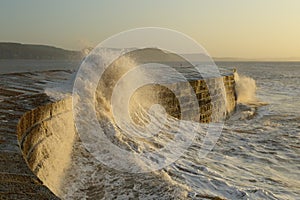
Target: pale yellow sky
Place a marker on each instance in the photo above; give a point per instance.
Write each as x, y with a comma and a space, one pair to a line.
225, 28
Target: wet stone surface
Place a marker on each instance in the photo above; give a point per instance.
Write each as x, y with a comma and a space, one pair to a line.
19, 93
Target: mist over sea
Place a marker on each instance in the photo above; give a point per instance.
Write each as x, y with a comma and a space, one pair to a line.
256, 157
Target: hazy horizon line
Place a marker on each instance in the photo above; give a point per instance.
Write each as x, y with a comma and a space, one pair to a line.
215, 58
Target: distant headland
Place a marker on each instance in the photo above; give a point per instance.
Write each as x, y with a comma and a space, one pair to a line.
37, 52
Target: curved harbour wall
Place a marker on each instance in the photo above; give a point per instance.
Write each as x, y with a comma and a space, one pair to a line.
46, 135
20, 94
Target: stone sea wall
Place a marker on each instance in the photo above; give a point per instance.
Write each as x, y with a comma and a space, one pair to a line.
23, 105
209, 95
36, 157
46, 136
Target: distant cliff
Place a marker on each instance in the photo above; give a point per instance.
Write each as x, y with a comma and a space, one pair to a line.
40, 52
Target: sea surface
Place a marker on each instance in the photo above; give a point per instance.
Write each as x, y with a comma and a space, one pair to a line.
257, 156
21, 65
259, 150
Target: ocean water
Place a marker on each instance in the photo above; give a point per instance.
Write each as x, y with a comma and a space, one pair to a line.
259, 150
21, 65
257, 156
